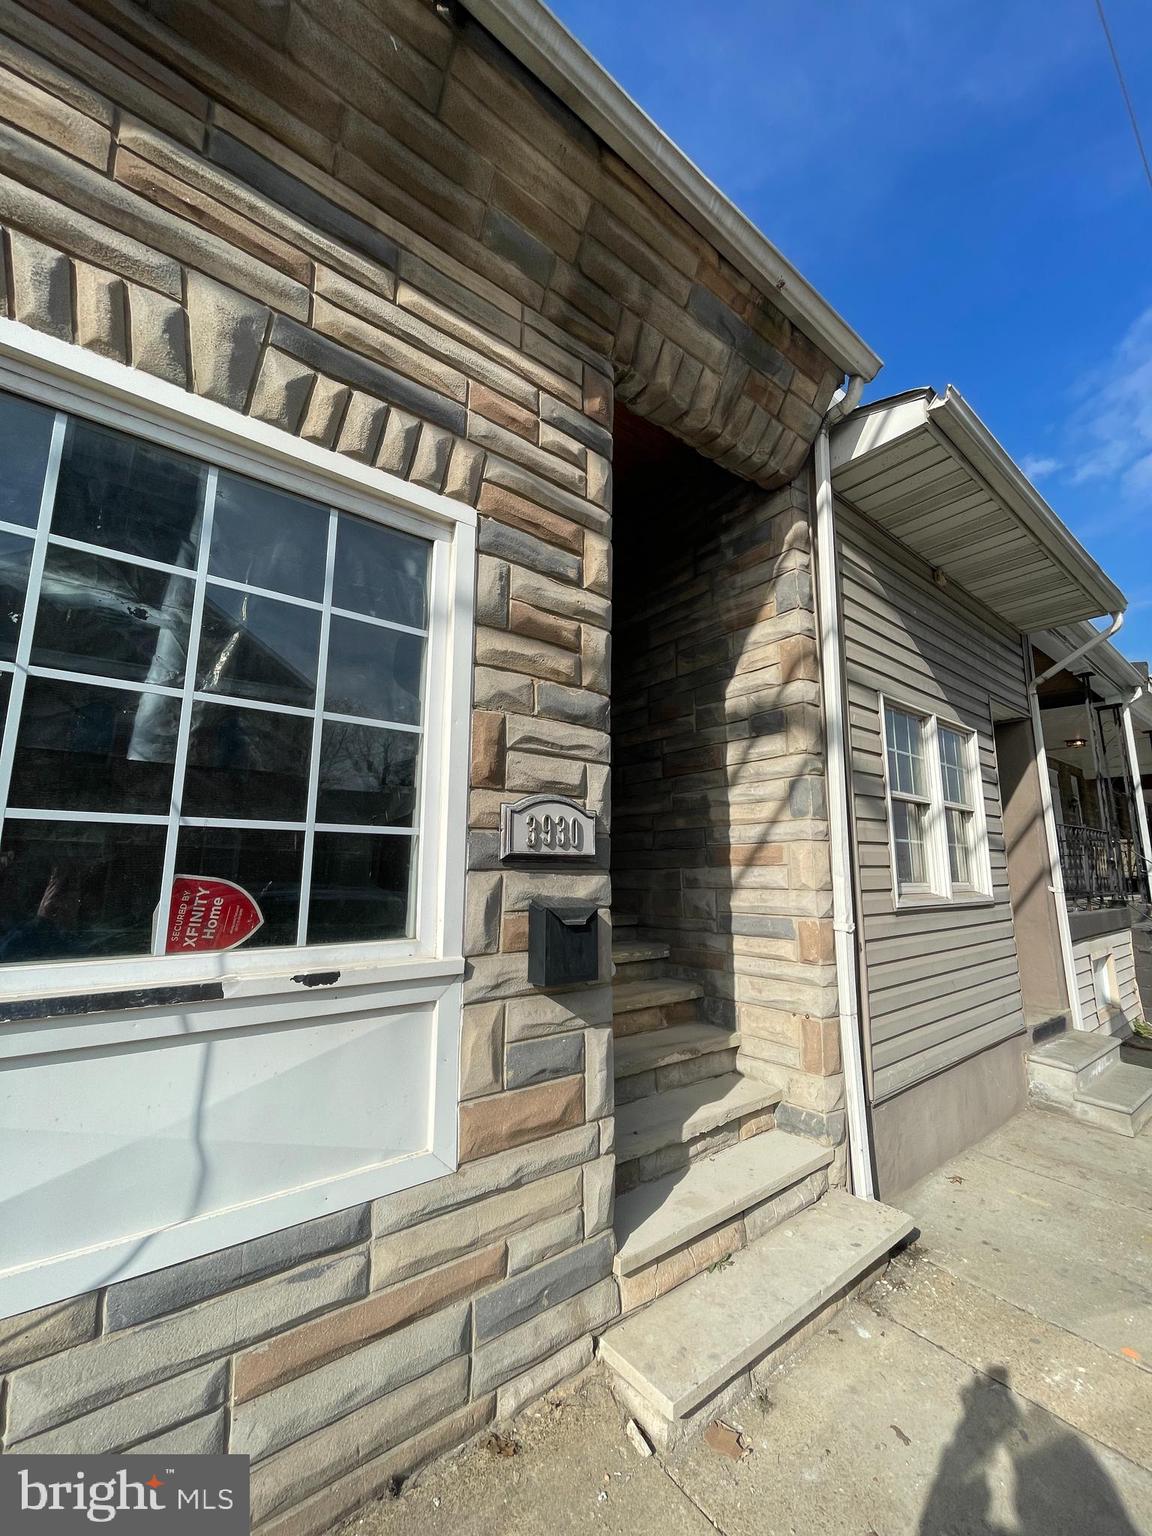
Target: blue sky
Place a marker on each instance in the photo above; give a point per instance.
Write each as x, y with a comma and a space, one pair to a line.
961, 182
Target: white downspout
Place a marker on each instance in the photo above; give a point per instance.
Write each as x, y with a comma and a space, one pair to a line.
1056, 885
837, 786
1134, 771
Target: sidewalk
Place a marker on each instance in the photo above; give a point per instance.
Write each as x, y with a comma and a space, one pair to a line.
993, 1383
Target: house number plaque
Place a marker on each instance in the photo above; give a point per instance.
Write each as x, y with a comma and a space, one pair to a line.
546, 827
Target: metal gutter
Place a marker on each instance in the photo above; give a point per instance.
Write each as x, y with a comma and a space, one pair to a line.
960, 424
543, 45
836, 783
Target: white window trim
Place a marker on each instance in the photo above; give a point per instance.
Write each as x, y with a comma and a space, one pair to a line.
424, 972
68, 378
938, 890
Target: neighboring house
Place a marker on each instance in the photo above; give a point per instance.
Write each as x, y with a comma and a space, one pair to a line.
345, 348
1097, 724
949, 562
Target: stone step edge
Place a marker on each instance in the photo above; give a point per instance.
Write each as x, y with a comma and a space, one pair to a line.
694, 1294
698, 1040
1045, 1055
740, 1188
709, 1115
631, 996
1095, 1094
635, 952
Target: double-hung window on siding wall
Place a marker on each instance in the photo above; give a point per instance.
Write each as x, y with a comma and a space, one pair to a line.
214, 698
938, 840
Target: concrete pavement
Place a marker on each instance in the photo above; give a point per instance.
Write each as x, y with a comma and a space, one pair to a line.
995, 1383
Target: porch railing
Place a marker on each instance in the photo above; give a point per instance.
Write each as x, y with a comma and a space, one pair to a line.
1099, 868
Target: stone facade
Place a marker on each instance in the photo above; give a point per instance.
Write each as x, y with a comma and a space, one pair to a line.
367, 226
720, 836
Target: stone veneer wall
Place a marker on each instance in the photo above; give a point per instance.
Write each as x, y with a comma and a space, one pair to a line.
367, 226
720, 838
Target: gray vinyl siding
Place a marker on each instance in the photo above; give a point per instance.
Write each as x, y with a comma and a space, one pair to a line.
941, 985
1084, 951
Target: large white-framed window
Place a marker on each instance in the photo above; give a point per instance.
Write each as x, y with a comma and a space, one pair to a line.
937, 829
236, 671
217, 665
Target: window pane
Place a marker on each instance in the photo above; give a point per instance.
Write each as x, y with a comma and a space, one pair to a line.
367, 775
258, 648
266, 538
106, 616
247, 763
374, 672
130, 495
381, 572
94, 749
359, 887
68, 890
15, 554
908, 836
5, 693
959, 846
265, 864
905, 740
954, 765
25, 437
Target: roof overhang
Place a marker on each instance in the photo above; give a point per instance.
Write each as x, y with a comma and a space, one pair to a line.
1114, 676
533, 35
927, 470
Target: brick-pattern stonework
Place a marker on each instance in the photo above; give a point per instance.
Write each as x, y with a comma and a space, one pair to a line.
360, 169
720, 838
365, 225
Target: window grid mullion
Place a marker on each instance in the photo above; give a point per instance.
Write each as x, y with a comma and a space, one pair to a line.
187, 700
317, 735
937, 829
31, 604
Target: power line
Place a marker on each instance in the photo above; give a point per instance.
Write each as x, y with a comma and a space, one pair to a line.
1124, 91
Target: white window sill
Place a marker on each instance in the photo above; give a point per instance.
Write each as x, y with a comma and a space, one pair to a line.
936, 903
36, 1025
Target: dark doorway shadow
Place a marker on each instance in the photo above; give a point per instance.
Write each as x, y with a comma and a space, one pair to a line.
1060, 1487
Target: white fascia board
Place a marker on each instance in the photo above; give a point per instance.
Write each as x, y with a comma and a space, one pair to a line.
532, 33
959, 424
874, 426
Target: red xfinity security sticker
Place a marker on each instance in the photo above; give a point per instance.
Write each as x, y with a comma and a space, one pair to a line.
206, 914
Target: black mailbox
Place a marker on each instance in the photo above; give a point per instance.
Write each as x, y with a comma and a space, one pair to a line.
562, 943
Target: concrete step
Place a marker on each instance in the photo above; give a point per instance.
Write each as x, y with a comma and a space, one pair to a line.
659, 1060
630, 996
679, 1115
681, 1361
1059, 1069
654, 1219
1119, 1100
663, 1047
636, 951
652, 1004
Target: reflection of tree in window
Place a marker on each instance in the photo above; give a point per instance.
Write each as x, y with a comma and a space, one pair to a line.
367, 775
105, 706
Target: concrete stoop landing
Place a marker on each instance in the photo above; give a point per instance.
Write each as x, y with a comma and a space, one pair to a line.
729, 1245
678, 1363
1083, 1075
